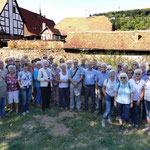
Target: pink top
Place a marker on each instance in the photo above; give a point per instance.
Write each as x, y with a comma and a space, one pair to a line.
12, 83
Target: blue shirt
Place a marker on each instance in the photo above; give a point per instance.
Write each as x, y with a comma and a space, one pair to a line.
84, 67
124, 92
90, 77
144, 76
35, 75
101, 77
77, 75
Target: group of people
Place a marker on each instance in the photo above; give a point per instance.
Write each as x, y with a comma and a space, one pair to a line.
125, 90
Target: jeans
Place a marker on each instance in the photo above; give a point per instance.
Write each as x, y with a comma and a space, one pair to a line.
101, 99
2, 107
63, 96
147, 106
123, 109
38, 96
87, 91
135, 113
143, 110
26, 95
72, 96
46, 93
109, 105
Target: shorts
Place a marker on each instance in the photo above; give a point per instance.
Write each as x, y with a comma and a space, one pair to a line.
13, 97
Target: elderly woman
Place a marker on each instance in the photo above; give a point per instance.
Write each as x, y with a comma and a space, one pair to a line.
37, 84
109, 67
125, 68
12, 88
101, 77
109, 93
138, 85
134, 65
25, 83
55, 88
63, 79
3, 93
130, 73
147, 101
45, 78
123, 99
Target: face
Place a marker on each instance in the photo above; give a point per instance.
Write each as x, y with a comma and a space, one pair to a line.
38, 66
62, 61
69, 65
137, 75
125, 68
103, 68
11, 70
119, 68
134, 66
99, 68
123, 79
89, 65
51, 60
46, 65
130, 74
54, 67
26, 68
63, 68
112, 75
82, 61
75, 63
17, 62
143, 68
45, 57
94, 63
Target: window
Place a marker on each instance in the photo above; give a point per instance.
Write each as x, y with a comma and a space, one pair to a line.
14, 10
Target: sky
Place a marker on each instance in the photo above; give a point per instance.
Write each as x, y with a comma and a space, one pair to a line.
57, 10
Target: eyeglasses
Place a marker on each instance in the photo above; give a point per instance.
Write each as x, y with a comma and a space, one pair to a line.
138, 74
123, 78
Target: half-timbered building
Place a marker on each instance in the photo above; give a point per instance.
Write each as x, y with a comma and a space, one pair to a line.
11, 21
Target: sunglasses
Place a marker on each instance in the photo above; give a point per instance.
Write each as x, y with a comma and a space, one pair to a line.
138, 74
123, 78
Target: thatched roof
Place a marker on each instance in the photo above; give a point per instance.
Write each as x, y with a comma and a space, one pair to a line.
78, 24
115, 40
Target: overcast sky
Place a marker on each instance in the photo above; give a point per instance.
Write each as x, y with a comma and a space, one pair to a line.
57, 10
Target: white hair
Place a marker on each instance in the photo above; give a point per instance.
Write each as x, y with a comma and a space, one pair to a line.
69, 61
11, 66
109, 67
1, 61
38, 62
75, 60
45, 62
103, 65
63, 65
112, 71
125, 64
99, 64
138, 71
123, 75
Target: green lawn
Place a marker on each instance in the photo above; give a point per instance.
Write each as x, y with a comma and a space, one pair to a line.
64, 130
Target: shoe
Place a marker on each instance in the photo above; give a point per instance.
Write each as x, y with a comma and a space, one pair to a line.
136, 127
120, 128
27, 111
23, 113
109, 121
10, 111
103, 123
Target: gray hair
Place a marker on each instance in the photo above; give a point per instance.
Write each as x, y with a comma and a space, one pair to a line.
11, 66
138, 71
99, 64
38, 62
45, 62
123, 75
112, 71
63, 65
69, 61
1, 61
109, 67
103, 65
75, 60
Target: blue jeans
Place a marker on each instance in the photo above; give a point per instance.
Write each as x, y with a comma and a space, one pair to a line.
72, 96
123, 109
64, 96
87, 91
38, 96
2, 107
135, 113
109, 105
26, 95
147, 106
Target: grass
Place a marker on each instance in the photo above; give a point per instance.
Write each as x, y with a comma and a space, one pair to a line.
28, 133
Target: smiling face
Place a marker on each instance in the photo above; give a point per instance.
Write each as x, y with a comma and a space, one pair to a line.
137, 75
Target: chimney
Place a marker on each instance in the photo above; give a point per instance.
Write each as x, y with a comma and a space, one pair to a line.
43, 25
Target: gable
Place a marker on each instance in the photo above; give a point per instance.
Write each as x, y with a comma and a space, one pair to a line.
2, 5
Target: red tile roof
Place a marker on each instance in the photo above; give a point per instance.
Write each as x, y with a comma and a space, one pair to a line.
33, 22
53, 30
82, 24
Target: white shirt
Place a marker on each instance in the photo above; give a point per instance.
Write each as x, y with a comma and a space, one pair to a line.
63, 77
137, 88
110, 86
147, 90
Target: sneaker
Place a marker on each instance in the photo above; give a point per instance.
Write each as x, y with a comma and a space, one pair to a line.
27, 111
109, 121
10, 111
120, 128
103, 123
23, 113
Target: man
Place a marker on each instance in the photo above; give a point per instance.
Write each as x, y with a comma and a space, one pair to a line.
95, 64
125, 68
83, 65
18, 66
75, 77
69, 65
3, 69
90, 83
51, 58
101, 77
119, 69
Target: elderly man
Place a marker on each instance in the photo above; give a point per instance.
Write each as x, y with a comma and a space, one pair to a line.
69, 65
51, 59
90, 83
3, 69
101, 77
18, 65
75, 77
83, 65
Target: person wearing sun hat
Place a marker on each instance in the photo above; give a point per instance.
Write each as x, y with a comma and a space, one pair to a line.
123, 99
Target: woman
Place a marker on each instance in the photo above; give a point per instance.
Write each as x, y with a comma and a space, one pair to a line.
108, 91
138, 85
12, 88
45, 78
134, 65
123, 99
37, 84
55, 89
25, 83
147, 101
63, 87
3, 93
